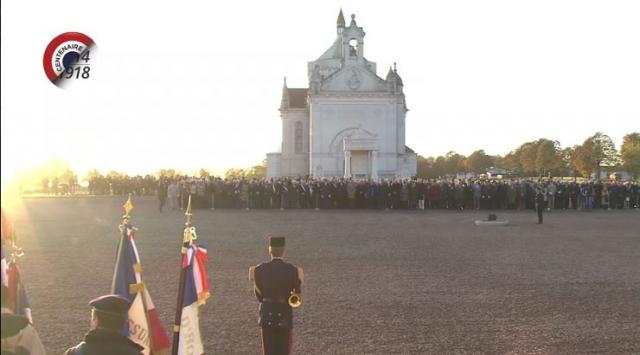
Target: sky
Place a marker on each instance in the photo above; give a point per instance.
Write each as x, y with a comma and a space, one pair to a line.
192, 85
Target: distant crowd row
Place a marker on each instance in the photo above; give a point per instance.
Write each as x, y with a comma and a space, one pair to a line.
337, 193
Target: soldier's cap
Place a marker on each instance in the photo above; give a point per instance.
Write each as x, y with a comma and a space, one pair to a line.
276, 242
113, 305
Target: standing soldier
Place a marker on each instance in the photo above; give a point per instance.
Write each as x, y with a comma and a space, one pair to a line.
540, 204
276, 285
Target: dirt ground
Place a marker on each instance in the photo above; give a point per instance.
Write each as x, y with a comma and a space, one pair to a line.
377, 282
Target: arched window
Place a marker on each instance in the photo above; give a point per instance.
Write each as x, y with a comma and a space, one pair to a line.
353, 47
298, 139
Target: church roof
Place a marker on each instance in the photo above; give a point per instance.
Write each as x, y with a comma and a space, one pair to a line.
297, 98
333, 51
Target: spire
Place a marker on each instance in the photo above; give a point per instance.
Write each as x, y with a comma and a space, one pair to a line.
284, 103
340, 22
390, 74
395, 71
394, 81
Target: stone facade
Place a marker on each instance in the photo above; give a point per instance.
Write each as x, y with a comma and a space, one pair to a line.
349, 122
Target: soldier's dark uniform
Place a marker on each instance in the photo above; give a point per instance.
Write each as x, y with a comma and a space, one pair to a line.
539, 205
106, 339
274, 281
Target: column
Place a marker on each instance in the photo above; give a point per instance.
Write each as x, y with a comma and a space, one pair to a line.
374, 165
347, 164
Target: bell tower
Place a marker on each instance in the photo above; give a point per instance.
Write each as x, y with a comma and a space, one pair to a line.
353, 42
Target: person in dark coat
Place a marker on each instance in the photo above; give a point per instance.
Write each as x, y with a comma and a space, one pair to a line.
273, 284
108, 316
162, 193
539, 204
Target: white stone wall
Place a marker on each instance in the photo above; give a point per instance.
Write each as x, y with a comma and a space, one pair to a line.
334, 116
292, 163
273, 165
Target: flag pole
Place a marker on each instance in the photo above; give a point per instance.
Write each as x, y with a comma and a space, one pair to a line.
128, 207
186, 242
14, 252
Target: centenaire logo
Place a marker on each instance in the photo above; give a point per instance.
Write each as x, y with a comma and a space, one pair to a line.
64, 54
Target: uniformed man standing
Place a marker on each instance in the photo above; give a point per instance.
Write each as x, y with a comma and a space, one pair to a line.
540, 204
108, 317
274, 282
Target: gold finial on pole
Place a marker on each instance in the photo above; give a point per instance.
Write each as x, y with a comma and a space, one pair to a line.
128, 207
189, 230
188, 213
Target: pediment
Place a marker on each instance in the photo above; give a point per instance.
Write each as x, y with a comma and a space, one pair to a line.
353, 78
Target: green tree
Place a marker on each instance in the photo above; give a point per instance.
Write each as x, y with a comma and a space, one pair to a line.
424, 166
454, 163
258, 171
204, 173
68, 177
114, 174
92, 174
168, 173
630, 153
566, 156
528, 154
548, 159
595, 152
235, 173
511, 162
439, 167
478, 162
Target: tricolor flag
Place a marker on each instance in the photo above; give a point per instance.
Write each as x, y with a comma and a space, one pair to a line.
5, 266
18, 300
144, 326
196, 292
7, 240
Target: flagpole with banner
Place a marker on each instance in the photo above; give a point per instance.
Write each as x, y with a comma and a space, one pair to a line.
18, 300
144, 326
193, 291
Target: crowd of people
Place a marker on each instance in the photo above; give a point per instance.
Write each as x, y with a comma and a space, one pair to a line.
340, 193
122, 185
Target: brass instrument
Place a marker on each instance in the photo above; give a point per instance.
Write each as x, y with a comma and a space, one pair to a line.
295, 300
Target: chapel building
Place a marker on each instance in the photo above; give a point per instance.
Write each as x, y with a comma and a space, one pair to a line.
349, 122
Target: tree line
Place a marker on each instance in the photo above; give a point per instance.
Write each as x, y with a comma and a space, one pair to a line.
543, 157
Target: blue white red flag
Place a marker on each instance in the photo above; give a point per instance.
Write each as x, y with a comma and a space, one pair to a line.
5, 227
5, 276
196, 292
18, 299
144, 326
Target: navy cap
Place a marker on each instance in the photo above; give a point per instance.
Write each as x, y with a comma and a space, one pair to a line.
111, 304
276, 242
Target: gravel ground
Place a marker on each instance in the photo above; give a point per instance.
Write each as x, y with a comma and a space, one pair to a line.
377, 282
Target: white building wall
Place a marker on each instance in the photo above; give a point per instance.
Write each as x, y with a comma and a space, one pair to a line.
292, 163
333, 116
273, 165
